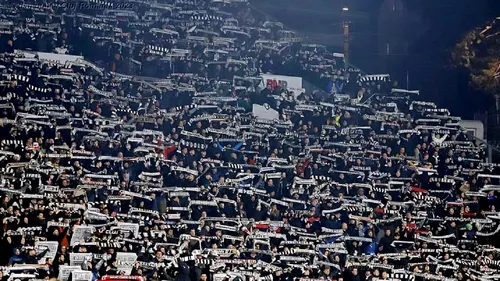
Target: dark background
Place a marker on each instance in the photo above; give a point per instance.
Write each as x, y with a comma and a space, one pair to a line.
409, 39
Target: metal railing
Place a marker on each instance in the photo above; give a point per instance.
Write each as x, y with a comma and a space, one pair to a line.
493, 151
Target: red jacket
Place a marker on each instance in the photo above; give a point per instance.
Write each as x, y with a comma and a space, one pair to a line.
169, 150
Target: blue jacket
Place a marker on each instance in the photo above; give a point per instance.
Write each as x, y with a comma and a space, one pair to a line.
16, 258
371, 249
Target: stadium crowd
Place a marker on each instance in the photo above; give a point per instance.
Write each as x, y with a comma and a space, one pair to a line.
165, 154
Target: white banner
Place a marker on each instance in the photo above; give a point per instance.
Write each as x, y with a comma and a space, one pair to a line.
126, 258
56, 58
65, 270
265, 112
126, 262
51, 245
132, 227
222, 276
81, 275
79, 258
290, 83
80, 233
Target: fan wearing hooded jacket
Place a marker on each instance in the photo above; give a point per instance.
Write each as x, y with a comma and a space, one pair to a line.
16, 258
